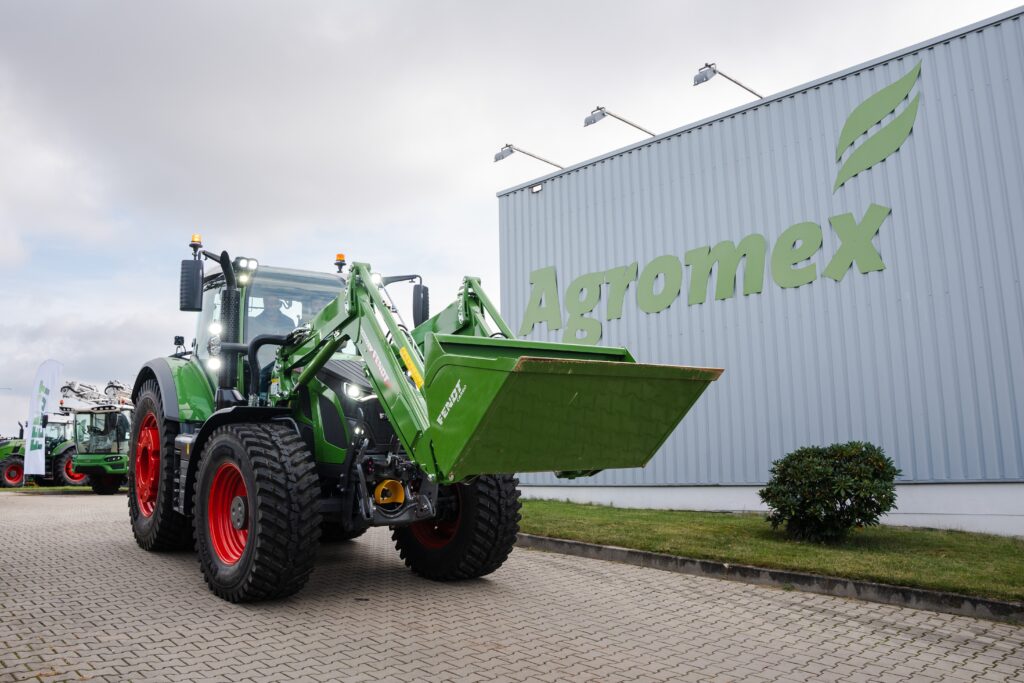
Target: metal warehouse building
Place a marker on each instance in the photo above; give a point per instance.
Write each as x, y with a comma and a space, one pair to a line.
850, 251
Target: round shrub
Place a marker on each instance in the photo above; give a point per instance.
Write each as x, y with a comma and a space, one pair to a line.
819, 493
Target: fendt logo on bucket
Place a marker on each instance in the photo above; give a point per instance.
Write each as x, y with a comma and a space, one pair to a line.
453, 398
786, 260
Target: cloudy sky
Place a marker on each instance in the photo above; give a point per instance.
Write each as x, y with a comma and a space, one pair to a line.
291, 131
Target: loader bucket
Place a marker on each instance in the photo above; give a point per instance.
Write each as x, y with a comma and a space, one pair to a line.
500, 405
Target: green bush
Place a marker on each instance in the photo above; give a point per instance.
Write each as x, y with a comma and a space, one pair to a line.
819, 493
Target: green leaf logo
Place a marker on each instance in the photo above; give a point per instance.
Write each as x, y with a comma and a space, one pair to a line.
886, 140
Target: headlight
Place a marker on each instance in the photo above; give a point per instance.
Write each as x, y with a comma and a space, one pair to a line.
213, 364
377, 279
357, 393
213, 346
215, 328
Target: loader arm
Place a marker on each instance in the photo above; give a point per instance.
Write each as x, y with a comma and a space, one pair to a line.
467, 315
361, 316
465, 397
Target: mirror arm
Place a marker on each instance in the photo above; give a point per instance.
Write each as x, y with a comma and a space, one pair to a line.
400, 278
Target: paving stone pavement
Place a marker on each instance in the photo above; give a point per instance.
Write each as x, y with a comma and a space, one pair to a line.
80, 601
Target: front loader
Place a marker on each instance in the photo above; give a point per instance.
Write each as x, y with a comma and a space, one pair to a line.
306, 411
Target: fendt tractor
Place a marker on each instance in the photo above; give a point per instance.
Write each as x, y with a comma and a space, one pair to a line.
12, 459
102, 422
59, 449
307, 410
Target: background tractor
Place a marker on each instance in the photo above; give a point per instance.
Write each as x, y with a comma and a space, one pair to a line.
102, 422
58, 455
306, 410
12, 459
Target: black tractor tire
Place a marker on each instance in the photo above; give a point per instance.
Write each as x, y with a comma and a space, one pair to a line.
62, 475
257, 513
106, 484
335, 532
12, 472
473, 535
155, 523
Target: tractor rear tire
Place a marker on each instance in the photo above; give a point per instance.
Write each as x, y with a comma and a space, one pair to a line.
334, 532
473, 534
63, 471
152, 468
257, 514
12, 472
106, 484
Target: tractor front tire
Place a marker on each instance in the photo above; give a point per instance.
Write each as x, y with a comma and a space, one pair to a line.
257, 514
105, 484
64, 471
152, 468
473, 534
12, 472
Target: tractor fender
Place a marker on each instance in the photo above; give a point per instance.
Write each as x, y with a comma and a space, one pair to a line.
160, 370
189, 459
185, 389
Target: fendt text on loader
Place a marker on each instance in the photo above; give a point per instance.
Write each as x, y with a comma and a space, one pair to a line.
306, 410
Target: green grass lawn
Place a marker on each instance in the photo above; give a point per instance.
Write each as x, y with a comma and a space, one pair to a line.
973, 564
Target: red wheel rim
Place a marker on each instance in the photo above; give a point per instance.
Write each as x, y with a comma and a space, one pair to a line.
13, 473
147, 465
69, 470
437, 533
227, 539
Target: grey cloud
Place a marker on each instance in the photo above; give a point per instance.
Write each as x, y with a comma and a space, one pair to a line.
290, 131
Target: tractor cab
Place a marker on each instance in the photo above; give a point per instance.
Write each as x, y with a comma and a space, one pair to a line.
274, 301
57, 431
103, 430
102, 435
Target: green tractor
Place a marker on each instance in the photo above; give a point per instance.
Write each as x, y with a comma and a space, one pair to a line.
102, 422
101, 441
60, 453
307, 411
59, 456
12, 459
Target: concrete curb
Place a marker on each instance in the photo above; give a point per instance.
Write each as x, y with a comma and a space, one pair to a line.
900, 596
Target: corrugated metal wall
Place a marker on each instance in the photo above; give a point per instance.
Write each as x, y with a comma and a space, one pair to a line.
925, 358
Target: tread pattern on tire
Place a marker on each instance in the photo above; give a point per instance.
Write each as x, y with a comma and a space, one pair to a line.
171, 530
59, 477
493, 534
286, 507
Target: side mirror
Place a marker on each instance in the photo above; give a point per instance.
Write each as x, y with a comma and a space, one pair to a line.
420, 304
191, 291
46, 420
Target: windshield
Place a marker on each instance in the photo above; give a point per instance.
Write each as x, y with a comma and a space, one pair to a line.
56, 431
105, 432
280, 299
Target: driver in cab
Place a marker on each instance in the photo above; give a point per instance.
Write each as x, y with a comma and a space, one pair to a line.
271, 320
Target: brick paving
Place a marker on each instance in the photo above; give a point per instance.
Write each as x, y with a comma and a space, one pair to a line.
80, 601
